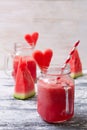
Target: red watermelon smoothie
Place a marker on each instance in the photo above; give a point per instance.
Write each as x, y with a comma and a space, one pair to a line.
31, 65
55, 101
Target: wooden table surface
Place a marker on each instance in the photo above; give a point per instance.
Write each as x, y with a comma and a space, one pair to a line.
22, 114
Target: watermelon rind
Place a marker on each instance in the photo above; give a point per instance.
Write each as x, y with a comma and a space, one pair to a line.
24, 96
76, 75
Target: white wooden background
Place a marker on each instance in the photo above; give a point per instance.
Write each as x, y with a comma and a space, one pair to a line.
59, 22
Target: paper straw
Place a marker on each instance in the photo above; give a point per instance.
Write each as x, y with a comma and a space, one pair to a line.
70, 54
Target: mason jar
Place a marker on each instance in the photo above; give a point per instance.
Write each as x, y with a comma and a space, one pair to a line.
24, 51
55, 89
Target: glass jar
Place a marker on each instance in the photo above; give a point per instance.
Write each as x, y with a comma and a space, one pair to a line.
20, 50
55, 102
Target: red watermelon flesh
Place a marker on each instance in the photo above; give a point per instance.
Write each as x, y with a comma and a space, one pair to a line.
43, 59
24, 87
47, 57
29, 39
32, 38
31, 64
35, 36
75, 65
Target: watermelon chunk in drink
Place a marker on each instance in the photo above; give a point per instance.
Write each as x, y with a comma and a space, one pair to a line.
24, 87
43, 59
31, 65
32, 38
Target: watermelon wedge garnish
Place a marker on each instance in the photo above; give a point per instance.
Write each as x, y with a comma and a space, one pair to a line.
75, 65
32, 38
24, 87
43, 59
31, 65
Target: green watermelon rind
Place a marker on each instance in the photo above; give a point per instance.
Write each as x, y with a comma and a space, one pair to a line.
76, 75
24, 96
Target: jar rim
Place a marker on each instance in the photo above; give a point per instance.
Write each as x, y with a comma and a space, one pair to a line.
56, 70
22, 45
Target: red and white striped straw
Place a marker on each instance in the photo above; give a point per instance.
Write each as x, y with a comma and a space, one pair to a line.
70, 54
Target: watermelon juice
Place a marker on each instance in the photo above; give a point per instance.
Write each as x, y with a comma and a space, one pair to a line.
55, 98
31, 65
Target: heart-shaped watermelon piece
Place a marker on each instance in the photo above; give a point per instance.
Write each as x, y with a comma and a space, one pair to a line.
43, 59
32, 38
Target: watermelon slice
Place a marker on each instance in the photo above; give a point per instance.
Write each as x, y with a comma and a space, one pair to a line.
24, 87
43, 59
32, 39
31, 65
75, 65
